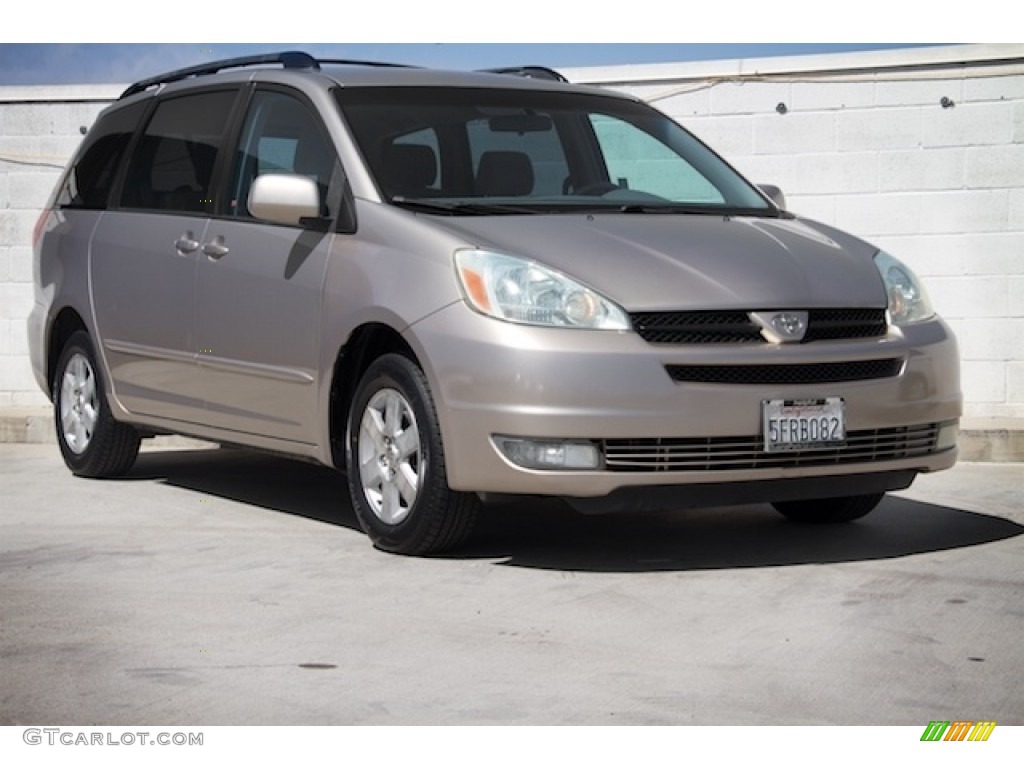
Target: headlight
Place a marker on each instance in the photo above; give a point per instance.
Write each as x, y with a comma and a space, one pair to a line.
908, 300
523, 291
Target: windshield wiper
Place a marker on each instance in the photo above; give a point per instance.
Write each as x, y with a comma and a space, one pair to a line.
702, 210
452, 208
455, 209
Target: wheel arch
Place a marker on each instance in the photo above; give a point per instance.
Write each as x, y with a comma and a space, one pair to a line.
64, 325
366, 343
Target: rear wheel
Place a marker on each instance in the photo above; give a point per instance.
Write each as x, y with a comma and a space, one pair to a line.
92, 443
396, 464
838, 510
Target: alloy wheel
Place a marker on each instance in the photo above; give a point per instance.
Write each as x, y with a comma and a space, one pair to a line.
79, 409
390, 457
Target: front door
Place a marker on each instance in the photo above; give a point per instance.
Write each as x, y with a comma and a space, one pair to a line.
259, 285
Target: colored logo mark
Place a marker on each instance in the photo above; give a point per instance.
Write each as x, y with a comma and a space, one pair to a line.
958, 730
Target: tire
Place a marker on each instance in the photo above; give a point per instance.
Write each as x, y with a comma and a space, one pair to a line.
92, 443
396, 464
838, 510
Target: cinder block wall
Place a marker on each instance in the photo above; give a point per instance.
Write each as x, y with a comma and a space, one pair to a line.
863, 141
40, 128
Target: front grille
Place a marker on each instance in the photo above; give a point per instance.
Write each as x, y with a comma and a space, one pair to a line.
736, 327
803, 373
709, 454
696, 327
845, 324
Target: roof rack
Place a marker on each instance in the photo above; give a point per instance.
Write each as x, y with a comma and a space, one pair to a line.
302, 60
540, 73
290, 60
363, 63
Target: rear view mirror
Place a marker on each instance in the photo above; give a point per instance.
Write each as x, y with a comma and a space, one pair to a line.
284, 198
523, 123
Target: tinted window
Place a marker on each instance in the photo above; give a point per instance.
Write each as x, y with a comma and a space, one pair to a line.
637, 160
281, 135
91, 178
172, 166
529, 134
421, 162
538, 150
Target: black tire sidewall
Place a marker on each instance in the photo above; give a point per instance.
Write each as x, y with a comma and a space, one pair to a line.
94, 460
79, 343
829, 511
397, 372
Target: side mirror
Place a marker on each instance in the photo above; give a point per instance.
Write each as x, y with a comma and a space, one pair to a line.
284, 198
774, 194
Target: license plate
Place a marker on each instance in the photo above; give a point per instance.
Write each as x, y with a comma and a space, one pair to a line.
797, 425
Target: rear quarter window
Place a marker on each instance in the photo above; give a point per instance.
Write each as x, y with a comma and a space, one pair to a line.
92, 175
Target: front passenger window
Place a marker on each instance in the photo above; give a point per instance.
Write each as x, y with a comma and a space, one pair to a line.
280, 135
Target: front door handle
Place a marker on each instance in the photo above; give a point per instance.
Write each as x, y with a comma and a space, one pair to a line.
186, 244
216, 249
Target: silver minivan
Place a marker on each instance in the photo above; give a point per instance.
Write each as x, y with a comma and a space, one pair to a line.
455, 286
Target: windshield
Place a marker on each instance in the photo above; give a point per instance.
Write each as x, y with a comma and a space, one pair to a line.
472, 151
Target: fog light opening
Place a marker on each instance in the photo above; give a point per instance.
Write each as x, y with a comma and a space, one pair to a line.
549, 454
947, 437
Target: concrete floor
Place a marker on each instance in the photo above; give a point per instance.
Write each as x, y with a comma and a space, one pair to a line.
221, 587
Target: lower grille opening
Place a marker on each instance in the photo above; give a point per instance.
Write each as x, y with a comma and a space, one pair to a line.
709, 454
802, 373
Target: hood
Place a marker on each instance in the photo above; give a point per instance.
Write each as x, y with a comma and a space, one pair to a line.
646, 262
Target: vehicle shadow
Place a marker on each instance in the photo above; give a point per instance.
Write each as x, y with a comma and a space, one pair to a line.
251, 477
546, 534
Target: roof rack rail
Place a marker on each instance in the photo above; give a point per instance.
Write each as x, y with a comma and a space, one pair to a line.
363, 63
540, 73
290, 60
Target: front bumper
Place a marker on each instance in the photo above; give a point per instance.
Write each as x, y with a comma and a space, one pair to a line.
493, 378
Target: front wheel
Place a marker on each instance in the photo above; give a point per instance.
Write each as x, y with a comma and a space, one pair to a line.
838, 510
396, 464
92, 443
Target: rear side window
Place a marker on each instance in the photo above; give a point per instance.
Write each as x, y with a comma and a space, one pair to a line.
172, 166
91, 178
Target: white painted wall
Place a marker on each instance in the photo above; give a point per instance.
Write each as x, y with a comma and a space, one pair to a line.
864, 144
